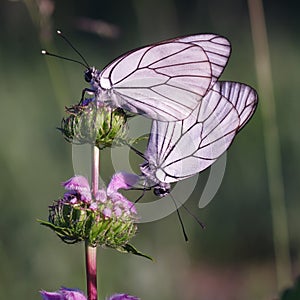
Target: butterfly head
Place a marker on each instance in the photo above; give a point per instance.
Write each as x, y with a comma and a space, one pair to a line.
162, 189
90, 74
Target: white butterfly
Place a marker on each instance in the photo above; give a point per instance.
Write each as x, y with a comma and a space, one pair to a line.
178, 150
163, 81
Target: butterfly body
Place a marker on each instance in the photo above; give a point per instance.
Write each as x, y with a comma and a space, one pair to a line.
150, 179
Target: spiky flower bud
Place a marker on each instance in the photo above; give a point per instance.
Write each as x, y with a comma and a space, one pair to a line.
94, 123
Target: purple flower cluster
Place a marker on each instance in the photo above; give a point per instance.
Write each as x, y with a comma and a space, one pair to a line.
103, 217
76, 294
110, 202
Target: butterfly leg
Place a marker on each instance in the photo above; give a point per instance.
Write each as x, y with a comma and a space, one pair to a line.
139, 153
84, 91
110, 122
141, 196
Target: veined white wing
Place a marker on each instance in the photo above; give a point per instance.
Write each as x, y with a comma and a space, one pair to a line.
178, 150
164, 81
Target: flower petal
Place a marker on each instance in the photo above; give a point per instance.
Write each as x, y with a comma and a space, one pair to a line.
70, 197
107, 212
117, 211
124, 203
86, 196
101, 196
122, 180
77, 183
81, 185
72, 294
93, 206
64, 294
117, 197
51, 295
122, 297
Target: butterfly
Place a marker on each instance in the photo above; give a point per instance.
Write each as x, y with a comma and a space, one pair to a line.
163, 81
181, 149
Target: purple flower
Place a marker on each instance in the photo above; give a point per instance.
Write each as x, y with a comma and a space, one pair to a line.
64, 294
103, 217
76, 294
110, 201
106, 212
117, 211
70, 197
78, 185
93, 206
122, 297
121, 202
121, 180
101, 196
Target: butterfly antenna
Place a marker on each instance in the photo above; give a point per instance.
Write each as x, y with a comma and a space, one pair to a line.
195, 217
71, 45
180, 219
140, 197
45, 52
190, 213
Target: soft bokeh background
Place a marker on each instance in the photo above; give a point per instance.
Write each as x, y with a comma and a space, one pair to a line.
234, 257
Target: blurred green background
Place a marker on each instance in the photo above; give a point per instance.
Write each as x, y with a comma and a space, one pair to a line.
233, 258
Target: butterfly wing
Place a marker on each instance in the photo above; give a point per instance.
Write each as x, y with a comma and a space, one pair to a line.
167, 80
181, 149
217, 49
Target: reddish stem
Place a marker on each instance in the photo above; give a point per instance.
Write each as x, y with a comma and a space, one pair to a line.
91, 252
91, 271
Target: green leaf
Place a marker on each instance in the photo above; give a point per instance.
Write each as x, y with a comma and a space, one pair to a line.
292, 293
47, 224
64, 233
131, 249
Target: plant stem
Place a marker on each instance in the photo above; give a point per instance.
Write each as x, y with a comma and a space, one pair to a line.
272, 144
95, 169
91, 252
91, 271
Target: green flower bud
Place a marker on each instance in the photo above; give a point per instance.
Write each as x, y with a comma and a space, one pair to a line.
94, 124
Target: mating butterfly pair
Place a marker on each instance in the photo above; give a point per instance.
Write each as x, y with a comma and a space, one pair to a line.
175, 83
